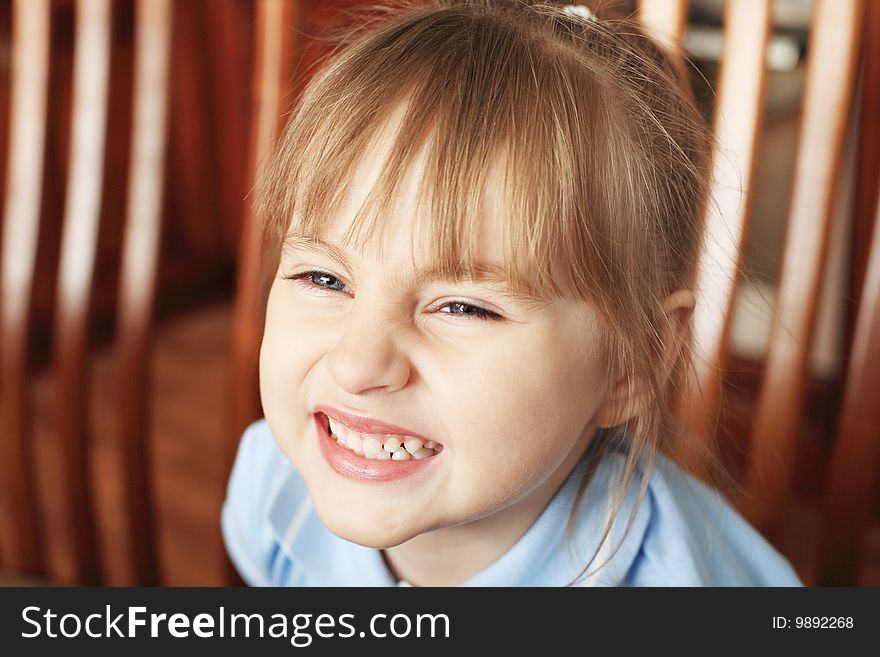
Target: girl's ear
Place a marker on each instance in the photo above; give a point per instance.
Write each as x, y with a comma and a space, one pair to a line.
626, 399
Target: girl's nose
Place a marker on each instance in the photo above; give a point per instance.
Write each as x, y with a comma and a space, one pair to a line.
368, 357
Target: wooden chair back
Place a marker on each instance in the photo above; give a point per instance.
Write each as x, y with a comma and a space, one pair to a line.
834, 57
21, 533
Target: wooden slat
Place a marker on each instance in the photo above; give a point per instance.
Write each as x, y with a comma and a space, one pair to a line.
831, 67
664, 20
738, 115
5, 37
138, 277
275, 44
231, 54
194, 128
852, 478
867, 183
79, 240
20, 531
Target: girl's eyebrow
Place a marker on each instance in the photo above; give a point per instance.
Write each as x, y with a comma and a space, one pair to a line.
485, 272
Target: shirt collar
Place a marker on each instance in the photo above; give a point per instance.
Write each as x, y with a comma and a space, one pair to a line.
327, 559
543, 556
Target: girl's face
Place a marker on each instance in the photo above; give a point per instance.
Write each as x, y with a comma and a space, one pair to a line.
512, 400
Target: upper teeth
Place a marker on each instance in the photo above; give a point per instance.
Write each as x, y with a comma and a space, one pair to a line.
382, 446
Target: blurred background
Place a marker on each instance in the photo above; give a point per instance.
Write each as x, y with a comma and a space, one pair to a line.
208, 169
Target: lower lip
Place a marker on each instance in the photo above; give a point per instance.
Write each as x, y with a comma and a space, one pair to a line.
350, 465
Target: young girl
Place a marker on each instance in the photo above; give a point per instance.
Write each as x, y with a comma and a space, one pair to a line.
487, 214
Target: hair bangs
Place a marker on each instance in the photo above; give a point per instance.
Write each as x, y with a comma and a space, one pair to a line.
464, 105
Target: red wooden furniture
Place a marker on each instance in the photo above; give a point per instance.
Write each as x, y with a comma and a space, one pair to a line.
22, 546
834, 56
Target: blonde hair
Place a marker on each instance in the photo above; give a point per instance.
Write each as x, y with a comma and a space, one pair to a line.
605, 164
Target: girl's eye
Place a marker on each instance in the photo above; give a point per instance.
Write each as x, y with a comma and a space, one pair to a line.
469, 310
309, 278
325, 281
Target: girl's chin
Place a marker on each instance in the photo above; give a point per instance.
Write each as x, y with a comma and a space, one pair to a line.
365, 531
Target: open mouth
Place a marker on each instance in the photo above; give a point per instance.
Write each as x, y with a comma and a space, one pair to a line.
380, 447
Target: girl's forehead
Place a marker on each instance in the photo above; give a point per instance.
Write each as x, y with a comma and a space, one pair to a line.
400, 236
407, 219
408, 183
405, 232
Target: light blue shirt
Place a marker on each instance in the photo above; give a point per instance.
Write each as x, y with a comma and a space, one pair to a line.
684, 533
